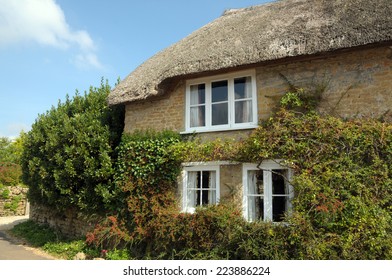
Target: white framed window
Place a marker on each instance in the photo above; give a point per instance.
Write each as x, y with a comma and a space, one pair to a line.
267, 191
200, 186
221, 102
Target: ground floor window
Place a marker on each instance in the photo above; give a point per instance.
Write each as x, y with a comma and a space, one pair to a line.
200, 187
267, 192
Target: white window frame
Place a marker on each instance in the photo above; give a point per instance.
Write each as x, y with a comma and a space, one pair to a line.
231, 103
267, 166
198, 167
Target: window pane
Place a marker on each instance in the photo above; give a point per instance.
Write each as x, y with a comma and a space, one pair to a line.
278, 182
219, 91
243, 111
205, 192
278, 208
255, 182
198, 94
243, 88
191, 199
197, 116
255, 208
255, 195
220, 114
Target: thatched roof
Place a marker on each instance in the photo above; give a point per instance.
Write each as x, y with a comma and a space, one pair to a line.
258, 34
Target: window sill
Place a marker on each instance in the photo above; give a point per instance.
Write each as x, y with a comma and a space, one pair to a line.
209, 130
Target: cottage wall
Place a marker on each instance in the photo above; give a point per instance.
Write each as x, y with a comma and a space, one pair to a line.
358, 84
231, 184
166, 112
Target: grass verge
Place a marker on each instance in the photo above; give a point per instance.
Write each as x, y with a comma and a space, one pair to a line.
50, 241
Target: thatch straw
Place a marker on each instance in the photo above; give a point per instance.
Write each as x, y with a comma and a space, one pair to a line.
258, 34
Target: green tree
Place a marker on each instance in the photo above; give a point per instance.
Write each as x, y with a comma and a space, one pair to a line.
10, 153
67, 155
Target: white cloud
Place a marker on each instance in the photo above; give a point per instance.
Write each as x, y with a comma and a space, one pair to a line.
13, 130
87, 60
43, 22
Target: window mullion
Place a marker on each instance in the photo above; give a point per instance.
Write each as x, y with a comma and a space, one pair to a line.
267, 176
231, 102
208, 105
201, 188
254, 99
187, 108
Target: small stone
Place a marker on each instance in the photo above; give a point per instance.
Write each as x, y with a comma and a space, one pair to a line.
80, 256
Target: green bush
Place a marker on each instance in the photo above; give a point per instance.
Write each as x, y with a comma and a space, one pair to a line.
10, 173
342, 182
10, 152
68, 154
342, 206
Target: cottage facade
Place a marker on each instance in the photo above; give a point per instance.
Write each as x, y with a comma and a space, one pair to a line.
224, 78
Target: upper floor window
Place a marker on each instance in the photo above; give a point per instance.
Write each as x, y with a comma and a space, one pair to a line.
267, 192
221, 103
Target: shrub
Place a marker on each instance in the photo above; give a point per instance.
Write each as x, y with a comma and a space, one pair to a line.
67, 155
10, 173
342, 182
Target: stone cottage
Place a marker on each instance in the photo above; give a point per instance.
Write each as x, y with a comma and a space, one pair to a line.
224, 78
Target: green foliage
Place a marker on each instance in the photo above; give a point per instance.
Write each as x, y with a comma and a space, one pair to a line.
68, 155
10, 153
342, 182
35, 234
64, 249
118, 255
52, 242
14, 204
10, 173
302, 99
4, 192
342, 206
194, 150
144, 156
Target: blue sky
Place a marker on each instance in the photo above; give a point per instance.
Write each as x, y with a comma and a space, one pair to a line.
51, 48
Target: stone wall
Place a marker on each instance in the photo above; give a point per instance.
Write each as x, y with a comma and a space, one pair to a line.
13, 201
358, 83
69, 223
165, 112
231, 184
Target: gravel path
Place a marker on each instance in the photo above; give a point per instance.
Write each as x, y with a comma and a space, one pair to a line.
7, 223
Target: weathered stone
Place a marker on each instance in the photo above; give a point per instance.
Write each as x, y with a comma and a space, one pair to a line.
71, 223
80, 256
15, 193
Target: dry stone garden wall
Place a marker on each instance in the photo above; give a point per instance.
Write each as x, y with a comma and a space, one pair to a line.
13, 201
70, 223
